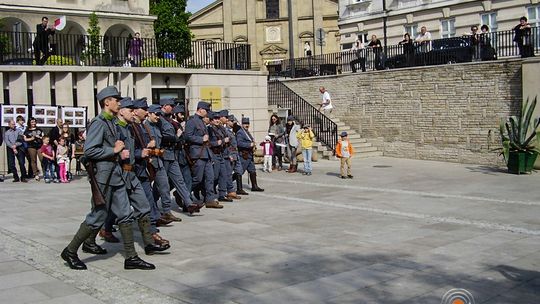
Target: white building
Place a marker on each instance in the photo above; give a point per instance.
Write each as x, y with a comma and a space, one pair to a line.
443, 18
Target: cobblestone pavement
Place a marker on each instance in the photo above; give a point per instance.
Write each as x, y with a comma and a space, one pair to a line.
401, 231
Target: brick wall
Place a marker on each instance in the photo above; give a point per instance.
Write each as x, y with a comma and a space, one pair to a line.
446, 113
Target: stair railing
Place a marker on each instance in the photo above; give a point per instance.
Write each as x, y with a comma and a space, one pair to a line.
324, 128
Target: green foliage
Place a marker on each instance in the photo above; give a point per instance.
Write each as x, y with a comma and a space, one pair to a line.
58, 60
521, 133
171, 27
4, 40
93, 48
158, 62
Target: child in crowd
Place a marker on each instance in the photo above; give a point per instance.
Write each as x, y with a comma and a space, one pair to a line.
268, 150
47, 154
306, 137
62, 159
345, 151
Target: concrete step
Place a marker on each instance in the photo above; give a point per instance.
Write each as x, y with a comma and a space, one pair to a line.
365, 149
368, 154
356, 140
361, 145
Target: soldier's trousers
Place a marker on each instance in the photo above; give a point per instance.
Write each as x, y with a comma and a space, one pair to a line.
175, 176
186, 173
154, 209
220, 175
228, 175
248, 165
203, 176
137, 198
162, 189
117, 200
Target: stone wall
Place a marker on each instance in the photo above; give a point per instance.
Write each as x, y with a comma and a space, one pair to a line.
446, 113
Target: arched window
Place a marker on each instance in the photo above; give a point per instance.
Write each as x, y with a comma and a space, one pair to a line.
272, 9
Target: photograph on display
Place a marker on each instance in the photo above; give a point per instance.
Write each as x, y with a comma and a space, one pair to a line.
10, 112
74, 117
45, 115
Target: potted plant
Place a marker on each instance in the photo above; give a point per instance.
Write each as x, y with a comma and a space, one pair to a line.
520, 139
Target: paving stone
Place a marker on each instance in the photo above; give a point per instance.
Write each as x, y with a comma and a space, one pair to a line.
23, 279
21, 294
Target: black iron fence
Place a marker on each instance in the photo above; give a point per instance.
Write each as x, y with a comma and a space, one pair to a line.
18, 48
323, 127
488, 46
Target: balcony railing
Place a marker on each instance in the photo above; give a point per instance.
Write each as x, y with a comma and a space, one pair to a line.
491, 46
17, 48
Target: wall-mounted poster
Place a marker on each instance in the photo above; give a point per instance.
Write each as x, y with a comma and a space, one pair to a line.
74, 117
45, 115
10, 112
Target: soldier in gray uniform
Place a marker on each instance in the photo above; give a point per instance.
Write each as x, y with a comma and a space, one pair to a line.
104, 148
179, 124
145, 148
246, 147
230, 155
170, 141
237, 164
218, 140
199, 151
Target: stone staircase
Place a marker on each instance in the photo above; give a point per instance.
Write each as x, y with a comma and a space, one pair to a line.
361, 146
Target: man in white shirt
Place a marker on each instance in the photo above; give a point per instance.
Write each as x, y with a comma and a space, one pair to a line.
326, 104
424, 38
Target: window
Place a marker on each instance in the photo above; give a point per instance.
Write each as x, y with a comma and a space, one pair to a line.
448, 28
533, 13
412, 29
363, 37
489, 19
347, 35
346, 46
272, 9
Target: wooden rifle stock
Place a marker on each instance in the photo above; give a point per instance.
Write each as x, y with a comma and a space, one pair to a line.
97, 197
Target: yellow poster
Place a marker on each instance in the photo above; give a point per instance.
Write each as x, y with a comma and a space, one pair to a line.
213, 96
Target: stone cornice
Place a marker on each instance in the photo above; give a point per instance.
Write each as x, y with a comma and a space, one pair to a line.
73, 12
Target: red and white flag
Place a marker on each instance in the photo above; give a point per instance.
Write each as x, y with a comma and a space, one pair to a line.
60, 23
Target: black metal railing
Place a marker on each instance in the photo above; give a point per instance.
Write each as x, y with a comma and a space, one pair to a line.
18, 48
489, 46
323, 127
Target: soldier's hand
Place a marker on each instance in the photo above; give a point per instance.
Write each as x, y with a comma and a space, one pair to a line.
226, 139
118, 146
205, 137
145, 153
219, 142
124, 154
151, 144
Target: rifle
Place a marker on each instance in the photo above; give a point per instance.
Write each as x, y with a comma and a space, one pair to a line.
98, 200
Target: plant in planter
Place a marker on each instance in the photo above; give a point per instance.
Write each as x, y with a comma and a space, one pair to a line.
520, 139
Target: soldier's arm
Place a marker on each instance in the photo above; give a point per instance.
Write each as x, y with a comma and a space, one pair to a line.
168, 133
191, 137
93, 147
242, 142
213, 139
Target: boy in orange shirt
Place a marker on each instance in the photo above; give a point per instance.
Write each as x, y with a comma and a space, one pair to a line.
345, 151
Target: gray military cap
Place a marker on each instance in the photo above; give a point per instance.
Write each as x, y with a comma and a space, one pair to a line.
167, 101
141, 103
155, 109
127, 103
110, 91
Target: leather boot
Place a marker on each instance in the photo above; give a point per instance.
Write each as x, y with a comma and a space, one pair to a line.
90, 246
239, 185
292, 169
82, 234
254, 186
150, 247
132, 260
179, 201
72, 259
233, 195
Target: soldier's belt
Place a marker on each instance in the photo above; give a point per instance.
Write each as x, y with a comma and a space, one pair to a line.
127, 167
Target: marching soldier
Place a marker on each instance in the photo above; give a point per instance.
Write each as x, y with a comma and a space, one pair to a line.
218, 140
235, 155
198, 140
181, 155
230, 155
103, 148
170, 142
246, 147
145, 149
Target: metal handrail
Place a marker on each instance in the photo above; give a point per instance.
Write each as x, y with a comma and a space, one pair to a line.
305, 113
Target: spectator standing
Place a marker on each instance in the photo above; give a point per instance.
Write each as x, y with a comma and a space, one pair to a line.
41, 42
48, 156
358, 50
24, 147
69, 139
79, 151
307, 49
326, 104
277, 135
474, 41
306, 138
33, 136
14, 149
291, 128
345, 151
268, 152
487, 52
62, 159
408, 49
135, 49
523, 38
376, 45
424, 39
54, 136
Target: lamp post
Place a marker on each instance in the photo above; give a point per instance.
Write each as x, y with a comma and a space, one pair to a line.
385, 18
291, 38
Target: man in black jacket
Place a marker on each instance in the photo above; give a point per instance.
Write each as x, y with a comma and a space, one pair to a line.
41, 42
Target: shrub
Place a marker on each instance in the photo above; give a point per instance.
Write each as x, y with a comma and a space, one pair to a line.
58, 60
158, 62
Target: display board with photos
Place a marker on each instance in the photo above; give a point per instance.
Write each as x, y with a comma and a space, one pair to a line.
74, 117
10, 112
45, 115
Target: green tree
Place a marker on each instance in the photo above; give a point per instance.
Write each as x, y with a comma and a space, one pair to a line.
94, 30
171, 27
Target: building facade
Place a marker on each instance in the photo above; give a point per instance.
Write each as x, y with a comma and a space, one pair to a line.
442, 18
264, 24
